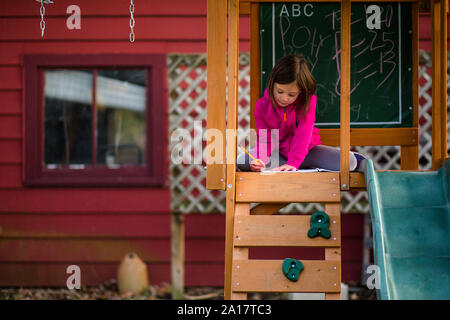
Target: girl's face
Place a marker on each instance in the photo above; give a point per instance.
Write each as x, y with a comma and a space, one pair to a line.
285, 94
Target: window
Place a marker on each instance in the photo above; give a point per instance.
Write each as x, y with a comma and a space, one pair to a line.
95, 120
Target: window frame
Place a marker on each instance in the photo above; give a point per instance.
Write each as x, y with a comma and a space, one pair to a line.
152, 174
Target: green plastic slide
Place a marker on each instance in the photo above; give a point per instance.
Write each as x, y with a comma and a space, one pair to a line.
411, 231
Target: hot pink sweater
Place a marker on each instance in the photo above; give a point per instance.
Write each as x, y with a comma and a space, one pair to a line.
296, 136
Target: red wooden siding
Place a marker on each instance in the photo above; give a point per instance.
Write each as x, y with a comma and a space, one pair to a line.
425, 31
43, 230
97, 241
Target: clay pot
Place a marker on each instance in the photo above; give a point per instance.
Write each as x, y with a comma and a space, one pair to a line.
132, 275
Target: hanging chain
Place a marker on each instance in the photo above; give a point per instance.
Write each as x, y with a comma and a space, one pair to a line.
132, 21
42, 12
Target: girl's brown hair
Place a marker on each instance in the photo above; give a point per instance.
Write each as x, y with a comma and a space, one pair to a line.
289, 69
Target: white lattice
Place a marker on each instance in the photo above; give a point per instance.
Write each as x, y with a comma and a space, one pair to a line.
187, 99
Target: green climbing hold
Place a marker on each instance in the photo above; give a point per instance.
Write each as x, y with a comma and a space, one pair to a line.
292, 268
319, 225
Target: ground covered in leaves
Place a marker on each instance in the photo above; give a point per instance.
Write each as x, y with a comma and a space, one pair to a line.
109, 291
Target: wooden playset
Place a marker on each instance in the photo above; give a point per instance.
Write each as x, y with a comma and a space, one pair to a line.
352, 51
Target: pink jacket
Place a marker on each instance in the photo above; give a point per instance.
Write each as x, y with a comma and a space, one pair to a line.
296, 136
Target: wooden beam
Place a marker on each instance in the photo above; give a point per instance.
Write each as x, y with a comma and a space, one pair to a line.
282, 231
267, 276
443, 81
334, 254
255, 63
177, 257
357, 181
409, 155
373, 136
267, 208
242, 211
344, 133
436, 87
244, 8
216, 22
233, 79
297, 187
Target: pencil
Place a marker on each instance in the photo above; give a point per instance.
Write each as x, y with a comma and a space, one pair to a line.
250, 155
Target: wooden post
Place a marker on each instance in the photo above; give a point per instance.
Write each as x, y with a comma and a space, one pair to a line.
436, 87
334, 254
177, 256
242, 210
233, 79
216, 42
443, 83
255, 60
409, 159
345, 95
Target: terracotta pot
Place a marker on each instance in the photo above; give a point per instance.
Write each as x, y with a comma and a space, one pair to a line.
132, 275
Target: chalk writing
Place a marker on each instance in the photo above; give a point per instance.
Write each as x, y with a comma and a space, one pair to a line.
377, 71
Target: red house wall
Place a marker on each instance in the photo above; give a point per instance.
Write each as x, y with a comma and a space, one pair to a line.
44, 230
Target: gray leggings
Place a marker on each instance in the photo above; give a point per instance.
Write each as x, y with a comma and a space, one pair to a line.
320, 156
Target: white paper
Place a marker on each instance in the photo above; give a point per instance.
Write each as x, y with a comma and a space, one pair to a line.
268, 171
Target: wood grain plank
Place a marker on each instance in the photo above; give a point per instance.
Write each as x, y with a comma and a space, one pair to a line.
239, 253
267, 276
297, 187
436, 87
373, 136
443, 80
357, 181
82, 250
148, 28
334, 254
255, 62
10, 78
289, 231
11, 101
344, 134
409, 155
171, 27
10, 176
92, 274
10, 126
233, 80
76, 226
108, 8
178, 261
216, 94
267, 208
11, 151
13, 50
85, 200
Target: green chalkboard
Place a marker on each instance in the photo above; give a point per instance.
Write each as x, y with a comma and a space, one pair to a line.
381, 58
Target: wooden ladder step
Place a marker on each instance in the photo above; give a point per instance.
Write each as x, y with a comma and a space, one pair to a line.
250, 275
282, 231
267, 276
296, 187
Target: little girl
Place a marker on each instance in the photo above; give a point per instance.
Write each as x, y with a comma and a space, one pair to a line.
289, 105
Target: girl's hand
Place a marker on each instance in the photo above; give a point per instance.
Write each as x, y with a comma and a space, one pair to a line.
285, 167
257, 165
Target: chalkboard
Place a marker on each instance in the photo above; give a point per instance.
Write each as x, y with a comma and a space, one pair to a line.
381, 59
